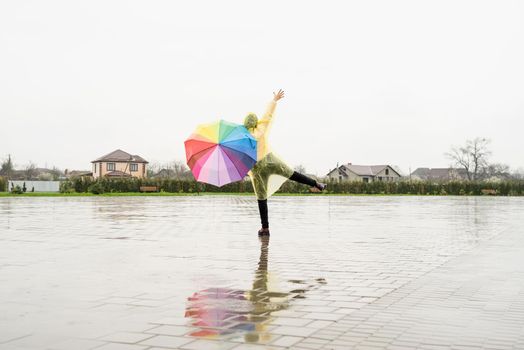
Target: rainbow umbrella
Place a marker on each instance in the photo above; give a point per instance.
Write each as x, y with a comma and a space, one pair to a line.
220, 153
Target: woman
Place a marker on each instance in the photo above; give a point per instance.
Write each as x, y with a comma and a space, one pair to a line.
269, 173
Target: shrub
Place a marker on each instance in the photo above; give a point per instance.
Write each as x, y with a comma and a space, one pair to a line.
3, 184
16, 190
96, 188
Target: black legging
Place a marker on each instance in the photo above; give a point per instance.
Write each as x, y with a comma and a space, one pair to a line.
262, 204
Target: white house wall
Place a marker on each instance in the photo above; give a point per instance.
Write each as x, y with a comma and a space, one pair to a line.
392, 174
119, 166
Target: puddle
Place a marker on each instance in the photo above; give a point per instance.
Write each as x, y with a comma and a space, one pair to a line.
225, 313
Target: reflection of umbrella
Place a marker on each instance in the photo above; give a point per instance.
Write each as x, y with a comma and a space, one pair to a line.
220, 153
216, 311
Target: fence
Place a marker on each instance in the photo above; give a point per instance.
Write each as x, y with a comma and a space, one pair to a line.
36, 186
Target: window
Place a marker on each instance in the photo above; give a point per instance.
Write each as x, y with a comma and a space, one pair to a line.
380, 178
110, 166
387, 171
365, 179
94, 167
133, 167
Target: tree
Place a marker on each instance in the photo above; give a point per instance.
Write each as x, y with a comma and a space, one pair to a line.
473, 157
173, 170
153, 168
496, 171
45, 177
56, 173
7, 167
179, 168
518, 174
300, 169
30, 171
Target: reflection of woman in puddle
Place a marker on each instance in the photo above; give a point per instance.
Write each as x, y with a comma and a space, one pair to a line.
264, 300
221, 311
270, 172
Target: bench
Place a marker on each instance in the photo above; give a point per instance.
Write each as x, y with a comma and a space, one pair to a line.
489, 192
148, 189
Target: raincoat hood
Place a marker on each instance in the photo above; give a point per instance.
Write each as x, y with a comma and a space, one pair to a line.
251, 121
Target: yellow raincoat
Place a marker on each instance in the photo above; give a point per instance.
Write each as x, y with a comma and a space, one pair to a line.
269, 172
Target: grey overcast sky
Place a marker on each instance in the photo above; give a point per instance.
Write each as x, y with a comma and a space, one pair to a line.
367, 82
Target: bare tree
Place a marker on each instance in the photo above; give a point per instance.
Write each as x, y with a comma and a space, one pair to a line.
496, 170
153, 168
300, 169
30, 171
518, 174
56, 173
473, 157
179, 169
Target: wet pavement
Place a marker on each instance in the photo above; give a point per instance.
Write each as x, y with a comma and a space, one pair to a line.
190, 273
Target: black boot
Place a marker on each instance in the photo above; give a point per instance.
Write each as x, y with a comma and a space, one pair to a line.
321, 186
263, 232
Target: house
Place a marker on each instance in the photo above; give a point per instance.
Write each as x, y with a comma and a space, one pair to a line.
119, 164
439, 174
366, 173
77, 173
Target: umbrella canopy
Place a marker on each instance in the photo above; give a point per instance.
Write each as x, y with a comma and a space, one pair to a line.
220, 153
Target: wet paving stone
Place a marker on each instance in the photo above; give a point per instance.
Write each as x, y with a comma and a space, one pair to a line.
191, 273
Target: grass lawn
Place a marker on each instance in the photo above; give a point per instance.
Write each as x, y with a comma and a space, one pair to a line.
124, 194
169, 194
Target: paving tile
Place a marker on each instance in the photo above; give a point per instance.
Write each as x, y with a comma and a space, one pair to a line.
174, 321
319, 324
256, 347
294, 331
77, 344
289, 321
170, 330
324, 316
126, 337
120, 346
208, 345
10, 335
166, 341
286, 341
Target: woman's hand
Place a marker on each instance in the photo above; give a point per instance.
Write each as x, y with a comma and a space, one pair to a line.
279, 95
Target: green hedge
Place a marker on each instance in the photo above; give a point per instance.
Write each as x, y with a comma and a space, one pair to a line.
505, 188
104, 185
3, 184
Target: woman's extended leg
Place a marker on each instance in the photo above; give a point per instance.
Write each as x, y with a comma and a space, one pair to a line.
303, 179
